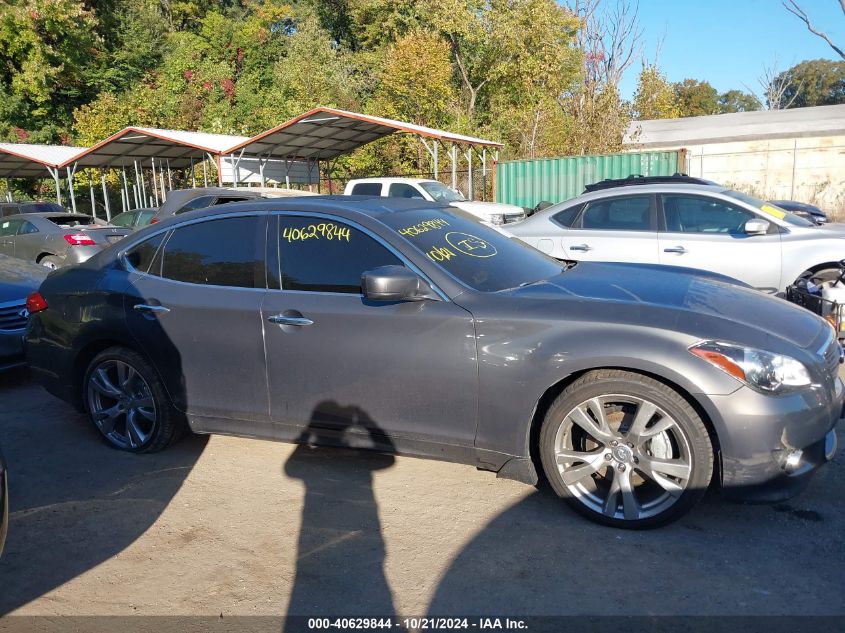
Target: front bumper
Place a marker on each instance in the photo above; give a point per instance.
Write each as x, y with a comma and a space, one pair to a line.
770, 447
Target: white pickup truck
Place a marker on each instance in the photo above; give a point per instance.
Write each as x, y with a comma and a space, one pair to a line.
491, 212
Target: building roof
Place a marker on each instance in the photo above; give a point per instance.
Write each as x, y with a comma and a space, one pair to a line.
142, 143
739, 126
25, 160
324, 133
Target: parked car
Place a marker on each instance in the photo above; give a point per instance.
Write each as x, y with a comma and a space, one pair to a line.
17, 280
803, 210
15, 208
4, 504
56, 239
134, 219
676, 223
434, 191
634, 386
184, 200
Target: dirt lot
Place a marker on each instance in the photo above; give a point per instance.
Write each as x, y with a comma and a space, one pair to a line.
240, 527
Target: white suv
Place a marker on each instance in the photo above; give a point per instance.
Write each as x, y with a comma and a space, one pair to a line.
434, 191
706, 227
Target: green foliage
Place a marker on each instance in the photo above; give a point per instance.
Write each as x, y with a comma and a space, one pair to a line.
655, 97
738, 101
696, 98
813, 83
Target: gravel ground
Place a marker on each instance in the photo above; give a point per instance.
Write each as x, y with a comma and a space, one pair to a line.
235, 526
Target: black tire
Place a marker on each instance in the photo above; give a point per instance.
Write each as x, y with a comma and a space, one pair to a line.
685, 441
166, 425
51, 262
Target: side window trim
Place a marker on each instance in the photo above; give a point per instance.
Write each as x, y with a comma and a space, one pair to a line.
352, 223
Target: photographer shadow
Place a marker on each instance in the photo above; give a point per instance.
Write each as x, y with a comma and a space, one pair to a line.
340, 552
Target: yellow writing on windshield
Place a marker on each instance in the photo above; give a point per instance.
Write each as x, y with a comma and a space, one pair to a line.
423, 227
470, 244
773, 211
324, 230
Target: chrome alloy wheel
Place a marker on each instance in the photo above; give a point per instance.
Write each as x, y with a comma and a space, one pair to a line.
623, 457
121, 404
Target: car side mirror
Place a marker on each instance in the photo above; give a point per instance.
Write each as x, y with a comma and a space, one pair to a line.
395, 283
756, 227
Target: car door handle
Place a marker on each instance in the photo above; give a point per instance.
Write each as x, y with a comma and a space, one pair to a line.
283, 319
143, 307
581, 247
675, 249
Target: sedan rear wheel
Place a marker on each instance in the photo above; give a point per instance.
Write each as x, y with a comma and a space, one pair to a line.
126, 402
626, 450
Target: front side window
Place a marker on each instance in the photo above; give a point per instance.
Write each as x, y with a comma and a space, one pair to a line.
403, 190
697, 214
223, 252
320, 255
631, 213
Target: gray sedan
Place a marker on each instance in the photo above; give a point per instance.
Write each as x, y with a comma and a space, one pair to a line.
405, 326
17, 280
56, 239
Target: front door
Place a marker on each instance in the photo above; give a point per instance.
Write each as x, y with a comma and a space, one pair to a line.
337, 360
709, 234
194, 307
619, 229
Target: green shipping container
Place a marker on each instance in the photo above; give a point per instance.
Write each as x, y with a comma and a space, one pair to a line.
528, 182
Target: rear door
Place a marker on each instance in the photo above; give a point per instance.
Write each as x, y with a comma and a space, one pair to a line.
617, 229
8, 230
29, 242
194, 307
708, 233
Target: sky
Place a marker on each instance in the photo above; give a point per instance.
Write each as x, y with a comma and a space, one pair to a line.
730, 42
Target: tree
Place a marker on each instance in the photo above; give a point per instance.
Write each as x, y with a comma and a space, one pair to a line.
738, 101
696, 98
812, 83
794, 8
655, 97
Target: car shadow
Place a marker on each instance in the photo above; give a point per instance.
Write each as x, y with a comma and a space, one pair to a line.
74, 501
340, 551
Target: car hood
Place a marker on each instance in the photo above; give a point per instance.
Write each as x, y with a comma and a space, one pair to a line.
484, 209
692, 296
18, 278
825, 230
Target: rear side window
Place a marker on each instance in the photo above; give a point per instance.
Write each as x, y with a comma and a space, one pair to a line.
567, 216
227, 200
320, 255
618, 214
9, 227
141, 256
367, 189
27, 228
224, 252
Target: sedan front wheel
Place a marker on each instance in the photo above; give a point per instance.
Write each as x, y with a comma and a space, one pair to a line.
626, 450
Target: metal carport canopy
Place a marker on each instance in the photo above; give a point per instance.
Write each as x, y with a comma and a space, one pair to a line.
25, 160
325, 133
179, 148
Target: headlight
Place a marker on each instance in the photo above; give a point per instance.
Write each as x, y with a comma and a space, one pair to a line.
497, 218
763, 371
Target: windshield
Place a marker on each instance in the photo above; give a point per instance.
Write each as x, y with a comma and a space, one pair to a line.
476, 255
440, 192
768, 208
41, 207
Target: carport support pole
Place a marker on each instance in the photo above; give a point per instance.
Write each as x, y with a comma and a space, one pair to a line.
155, 184
469, 174
193, 174
169, 177
484, 174
126, 188
161, 182
436, 160
70, 187
91, 193
318, 175
105, 195
204, 175
453, 154
54, 172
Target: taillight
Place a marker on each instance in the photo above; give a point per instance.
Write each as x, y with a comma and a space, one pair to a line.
79, 239
154, 220
35, 303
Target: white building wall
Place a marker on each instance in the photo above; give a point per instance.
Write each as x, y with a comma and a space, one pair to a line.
810, 169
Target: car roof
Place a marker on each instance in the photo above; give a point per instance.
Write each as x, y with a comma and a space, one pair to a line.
372, 206
646, 189
389, 179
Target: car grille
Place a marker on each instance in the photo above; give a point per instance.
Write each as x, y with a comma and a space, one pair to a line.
13, 316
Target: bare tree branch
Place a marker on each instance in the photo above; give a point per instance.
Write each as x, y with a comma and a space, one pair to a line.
794, 8
774, 87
